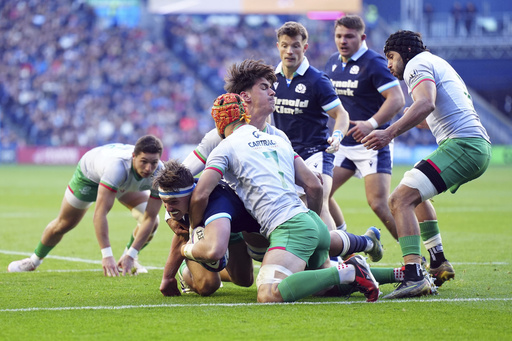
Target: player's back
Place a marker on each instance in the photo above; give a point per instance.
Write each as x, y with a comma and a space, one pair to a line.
262, 166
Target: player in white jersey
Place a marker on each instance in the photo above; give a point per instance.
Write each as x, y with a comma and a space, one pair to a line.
262, 168
442, 99
103, 174
251, 79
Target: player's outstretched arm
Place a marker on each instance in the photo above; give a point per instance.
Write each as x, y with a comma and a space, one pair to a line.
104, 202
169, 284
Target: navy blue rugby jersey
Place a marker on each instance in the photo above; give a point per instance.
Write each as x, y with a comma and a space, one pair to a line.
225, 203
359, 84
301, 108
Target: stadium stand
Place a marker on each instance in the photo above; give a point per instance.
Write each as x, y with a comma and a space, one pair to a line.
66, 79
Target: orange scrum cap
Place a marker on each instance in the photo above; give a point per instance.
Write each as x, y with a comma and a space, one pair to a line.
227, 109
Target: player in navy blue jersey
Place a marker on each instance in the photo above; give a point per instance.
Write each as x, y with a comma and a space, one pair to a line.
225, 216
304, 101
372, 96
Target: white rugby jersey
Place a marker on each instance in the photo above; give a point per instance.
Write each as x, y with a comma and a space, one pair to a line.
262, 168
111, 166
196, 160
454, 116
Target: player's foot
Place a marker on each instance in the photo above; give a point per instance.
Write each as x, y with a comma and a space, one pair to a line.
185, 289
364, 282
442, 273
139, 267
21, 265
375, 253
411, 289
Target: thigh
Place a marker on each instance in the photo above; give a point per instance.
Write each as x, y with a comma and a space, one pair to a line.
377, 185
133, 199
240, 266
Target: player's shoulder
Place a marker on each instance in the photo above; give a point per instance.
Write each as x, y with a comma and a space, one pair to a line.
314, 73
333, 58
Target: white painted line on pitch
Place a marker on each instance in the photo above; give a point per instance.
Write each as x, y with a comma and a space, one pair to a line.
91, 261
144, 306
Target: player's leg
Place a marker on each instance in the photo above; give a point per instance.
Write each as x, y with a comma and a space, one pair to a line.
345, 243
402, 203
440, 268
240, 267
325, 214
340, 176
377, 192
302, 238
257, 245
71, 212
198, 279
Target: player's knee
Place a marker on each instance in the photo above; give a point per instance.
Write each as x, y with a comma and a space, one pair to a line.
268, 293
378, 205
393, 202
243, 280
206, 287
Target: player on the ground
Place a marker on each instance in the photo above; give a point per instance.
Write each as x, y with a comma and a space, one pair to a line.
262, 168
103, 174
464, 152
372, 97
305, 99
252, 80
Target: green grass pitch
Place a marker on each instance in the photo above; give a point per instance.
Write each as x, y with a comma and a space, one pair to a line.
68, 298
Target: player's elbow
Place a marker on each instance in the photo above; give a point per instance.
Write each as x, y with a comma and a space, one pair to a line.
214, 253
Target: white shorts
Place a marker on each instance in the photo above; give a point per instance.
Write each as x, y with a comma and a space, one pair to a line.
365, 161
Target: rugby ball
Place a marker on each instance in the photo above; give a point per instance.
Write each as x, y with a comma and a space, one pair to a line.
215, 266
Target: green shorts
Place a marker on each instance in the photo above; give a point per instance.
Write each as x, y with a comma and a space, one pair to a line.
306, 236
455, 162
83, 188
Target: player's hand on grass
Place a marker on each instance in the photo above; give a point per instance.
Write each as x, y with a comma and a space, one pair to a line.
169, 287
127, 264
109, 267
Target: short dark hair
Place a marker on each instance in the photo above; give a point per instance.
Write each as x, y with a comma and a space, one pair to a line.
353, 22
406, 43
173, 176
292, 29
148, 144
242, 76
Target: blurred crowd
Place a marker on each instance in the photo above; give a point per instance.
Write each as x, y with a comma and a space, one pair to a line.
67, 81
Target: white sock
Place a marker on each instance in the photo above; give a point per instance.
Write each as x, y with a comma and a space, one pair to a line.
347, 273
36, 260
342, 227
369, 246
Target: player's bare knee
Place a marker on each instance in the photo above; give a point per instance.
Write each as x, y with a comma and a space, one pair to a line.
206, 287
268, 293
245, 280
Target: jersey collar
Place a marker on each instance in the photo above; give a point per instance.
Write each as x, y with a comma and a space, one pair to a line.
359, 52
300, 71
